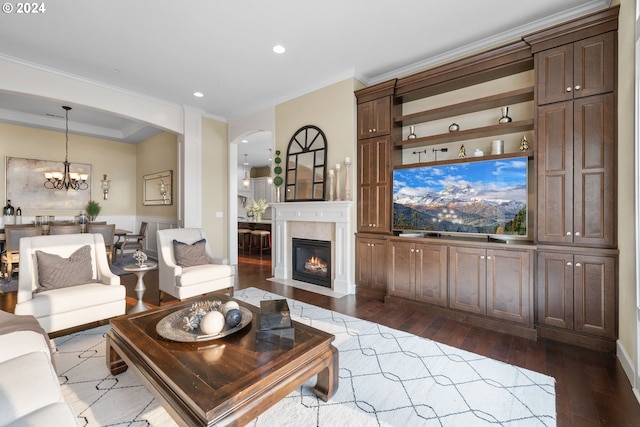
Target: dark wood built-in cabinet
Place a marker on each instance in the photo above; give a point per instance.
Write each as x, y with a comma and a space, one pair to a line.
562, 282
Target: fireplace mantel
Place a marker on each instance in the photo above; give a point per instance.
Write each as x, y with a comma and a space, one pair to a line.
337, 213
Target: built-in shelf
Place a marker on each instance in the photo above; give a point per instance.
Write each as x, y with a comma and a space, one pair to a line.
528, 153
494, 101
463, 135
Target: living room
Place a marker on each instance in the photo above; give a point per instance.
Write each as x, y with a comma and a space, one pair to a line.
206, 144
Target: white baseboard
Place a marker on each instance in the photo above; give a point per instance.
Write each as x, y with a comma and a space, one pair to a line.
628, 367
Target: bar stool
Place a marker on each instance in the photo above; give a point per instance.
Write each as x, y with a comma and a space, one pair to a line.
262, 239
244, 239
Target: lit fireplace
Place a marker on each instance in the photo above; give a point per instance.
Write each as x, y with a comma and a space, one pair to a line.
311, 261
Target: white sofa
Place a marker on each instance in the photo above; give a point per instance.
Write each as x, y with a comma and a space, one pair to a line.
185, 282
30, 393
102, 297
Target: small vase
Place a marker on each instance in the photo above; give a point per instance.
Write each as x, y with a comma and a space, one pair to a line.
505, 115
258, 217
412, 132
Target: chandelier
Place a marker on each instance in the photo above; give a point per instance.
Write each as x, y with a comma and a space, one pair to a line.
66, 180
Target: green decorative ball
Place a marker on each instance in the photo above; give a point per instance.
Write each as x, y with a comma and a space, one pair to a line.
277, 160
277, 152
277, 170
277, 181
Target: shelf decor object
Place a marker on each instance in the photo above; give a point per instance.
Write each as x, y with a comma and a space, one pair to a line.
412, 132
454, 127
505, 115
463, 152
524, 144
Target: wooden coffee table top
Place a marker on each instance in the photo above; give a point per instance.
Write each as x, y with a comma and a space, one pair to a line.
230, 380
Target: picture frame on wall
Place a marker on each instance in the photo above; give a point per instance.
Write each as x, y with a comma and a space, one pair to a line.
158, 189
24, 185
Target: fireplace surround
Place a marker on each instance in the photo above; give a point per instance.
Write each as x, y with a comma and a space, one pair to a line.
326, 220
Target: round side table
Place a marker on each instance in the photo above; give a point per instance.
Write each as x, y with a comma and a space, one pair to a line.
140, 271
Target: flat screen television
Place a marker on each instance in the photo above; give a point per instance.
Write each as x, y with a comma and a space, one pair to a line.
486, 197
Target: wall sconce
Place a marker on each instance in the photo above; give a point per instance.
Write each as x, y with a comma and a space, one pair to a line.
106, 184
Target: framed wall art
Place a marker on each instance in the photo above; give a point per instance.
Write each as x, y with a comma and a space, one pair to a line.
158, 188
24, 185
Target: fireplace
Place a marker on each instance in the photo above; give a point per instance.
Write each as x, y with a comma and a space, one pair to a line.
311, 261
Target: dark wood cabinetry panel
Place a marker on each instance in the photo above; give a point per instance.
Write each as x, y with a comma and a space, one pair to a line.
431, 274
576, 70
576, 172
418, 271
510, 285
576, 292
555, 289
374, 185
467, 279
402, 269
371, 265
595, 295
374, 118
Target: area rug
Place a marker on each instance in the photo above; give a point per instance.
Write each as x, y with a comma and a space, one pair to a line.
386, 378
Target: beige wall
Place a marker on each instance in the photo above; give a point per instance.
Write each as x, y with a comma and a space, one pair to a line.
157, 154
626, 184
215, 185
116, 159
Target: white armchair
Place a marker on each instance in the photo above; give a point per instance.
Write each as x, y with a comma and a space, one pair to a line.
185, 282
99, 296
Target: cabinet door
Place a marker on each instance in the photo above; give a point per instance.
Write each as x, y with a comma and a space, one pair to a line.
555, 173
509, 285
554, 74
467, 279
573, 71
374, 185
371, 263
594, 295
402, 265
594, 196
594, 65
555, 289
374, 118
431, 273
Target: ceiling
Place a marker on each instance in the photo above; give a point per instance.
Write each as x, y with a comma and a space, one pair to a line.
168, 50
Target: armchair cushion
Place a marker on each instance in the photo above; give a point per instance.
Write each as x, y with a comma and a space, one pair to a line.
190, 255
56, 272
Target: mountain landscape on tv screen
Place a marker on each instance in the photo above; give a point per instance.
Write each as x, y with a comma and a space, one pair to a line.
486, 206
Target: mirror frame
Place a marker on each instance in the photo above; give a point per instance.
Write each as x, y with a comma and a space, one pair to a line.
307, 150
151, 189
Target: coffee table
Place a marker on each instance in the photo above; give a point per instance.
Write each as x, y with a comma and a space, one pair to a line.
226, 381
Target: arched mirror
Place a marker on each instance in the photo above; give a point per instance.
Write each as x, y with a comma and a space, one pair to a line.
306, 165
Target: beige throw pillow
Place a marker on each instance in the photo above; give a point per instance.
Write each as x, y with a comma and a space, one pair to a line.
190, 255
55, 272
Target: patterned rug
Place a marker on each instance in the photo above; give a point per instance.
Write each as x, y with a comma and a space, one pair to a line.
387, 378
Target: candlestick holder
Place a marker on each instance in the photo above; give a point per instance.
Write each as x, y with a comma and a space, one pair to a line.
347, 183
338, 182
330, 186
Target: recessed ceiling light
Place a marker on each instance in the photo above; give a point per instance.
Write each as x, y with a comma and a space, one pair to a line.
198, 94
244, 141
279, 48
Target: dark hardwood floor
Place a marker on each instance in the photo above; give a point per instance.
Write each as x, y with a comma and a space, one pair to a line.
591, 387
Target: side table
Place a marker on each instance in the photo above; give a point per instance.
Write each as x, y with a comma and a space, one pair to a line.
140, 271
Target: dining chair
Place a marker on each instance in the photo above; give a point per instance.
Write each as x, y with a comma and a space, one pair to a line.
11, 255
107, 231
65, 229
131, 241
